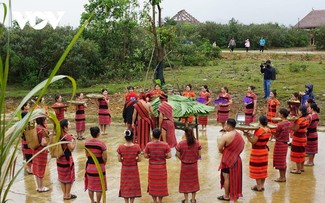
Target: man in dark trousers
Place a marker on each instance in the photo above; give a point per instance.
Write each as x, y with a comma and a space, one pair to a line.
269, 74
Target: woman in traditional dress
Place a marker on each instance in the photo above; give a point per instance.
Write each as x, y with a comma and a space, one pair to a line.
312, 135
204, 94
189, 151
299, 139
157, 152
104, 116
224, 107
92, 180
80, 117
59, 107
251, 106
65, 163
131, 94
294, 106
129, 155
190, 94
273, 105
258, 160
40, 161
281, 145
27, 152
157, 91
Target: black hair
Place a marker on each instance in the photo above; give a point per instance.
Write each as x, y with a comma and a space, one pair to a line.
94, 131
314, 107
296, 94
303, 110
284, 112
189, 85
206, 87
310, 101
274, 92
156, 133
189, 136
231, 122
225, 88
64, 123
56, 97
263, 120
252, 87
130, 87
23, 107
128, 135
78, 94
41, 121
104, 89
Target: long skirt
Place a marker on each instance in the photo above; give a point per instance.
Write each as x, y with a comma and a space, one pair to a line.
157, 180
130, 182
312, 143
258, 163
169, 127
298, 150
249, 117
223, 114
280, 155
142, 133
203, 120
65, 167
27, 152
104, 117
80, 121
92, 180
39, 163
189, 179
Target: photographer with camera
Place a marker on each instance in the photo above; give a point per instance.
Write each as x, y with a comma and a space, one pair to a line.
269, 74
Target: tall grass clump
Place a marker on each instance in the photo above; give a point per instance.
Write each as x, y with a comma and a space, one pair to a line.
10, 130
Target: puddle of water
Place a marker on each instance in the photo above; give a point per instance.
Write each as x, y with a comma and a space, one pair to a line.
307, 187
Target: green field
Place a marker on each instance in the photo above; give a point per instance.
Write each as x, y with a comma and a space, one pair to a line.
236, 71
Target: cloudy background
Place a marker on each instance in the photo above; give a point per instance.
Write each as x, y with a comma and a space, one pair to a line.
285, 12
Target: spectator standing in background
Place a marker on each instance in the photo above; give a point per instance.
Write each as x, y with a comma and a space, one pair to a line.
262, 44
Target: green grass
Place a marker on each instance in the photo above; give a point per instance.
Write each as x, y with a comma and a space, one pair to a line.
237, 73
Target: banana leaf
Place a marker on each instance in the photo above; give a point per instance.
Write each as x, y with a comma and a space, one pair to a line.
183, 106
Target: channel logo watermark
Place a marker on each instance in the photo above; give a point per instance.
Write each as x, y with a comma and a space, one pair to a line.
38, 19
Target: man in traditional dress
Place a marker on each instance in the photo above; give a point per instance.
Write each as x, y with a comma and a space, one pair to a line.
231, 144
166, 121
141, 121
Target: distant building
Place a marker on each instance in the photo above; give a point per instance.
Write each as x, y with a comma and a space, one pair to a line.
311, 21
184, 17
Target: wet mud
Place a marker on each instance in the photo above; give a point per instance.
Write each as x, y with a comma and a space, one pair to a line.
306, 187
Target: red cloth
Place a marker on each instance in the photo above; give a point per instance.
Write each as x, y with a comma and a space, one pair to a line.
80, 118
231, 160
312, 135
189, 179
40, 161
157, 171
281, 145
168, 124
65, 163
131, 96
104, 116
258, 160
92, 180
299, 140
27, 152
143, 125
223, 111
271, 108
130, 180
59, 112
249, 117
